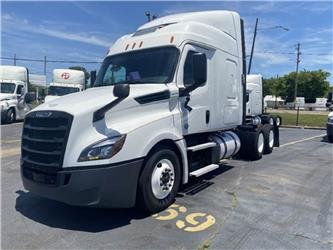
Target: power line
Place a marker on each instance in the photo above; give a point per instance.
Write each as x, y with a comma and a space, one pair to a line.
15, 58
48, 61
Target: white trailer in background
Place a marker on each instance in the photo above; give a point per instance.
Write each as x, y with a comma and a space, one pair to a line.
65, 81
14, 86
168, 104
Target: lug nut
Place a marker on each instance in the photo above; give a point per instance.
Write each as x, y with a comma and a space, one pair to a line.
159, 165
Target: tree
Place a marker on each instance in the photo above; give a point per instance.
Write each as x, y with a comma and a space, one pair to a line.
311, 84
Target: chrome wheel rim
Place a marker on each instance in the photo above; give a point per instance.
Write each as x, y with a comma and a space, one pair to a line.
278, 121
11, 116
271, 138
260, 143
163, 178
271, 121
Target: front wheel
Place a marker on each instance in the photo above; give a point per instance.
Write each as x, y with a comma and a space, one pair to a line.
159, 181
10, 116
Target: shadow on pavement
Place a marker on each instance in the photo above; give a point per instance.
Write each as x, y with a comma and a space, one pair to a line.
195, 185
59, 215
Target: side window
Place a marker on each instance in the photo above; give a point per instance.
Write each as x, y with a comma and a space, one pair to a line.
19, 90
188, 69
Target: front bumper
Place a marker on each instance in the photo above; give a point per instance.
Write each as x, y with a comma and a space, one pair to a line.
329, 129
112, 186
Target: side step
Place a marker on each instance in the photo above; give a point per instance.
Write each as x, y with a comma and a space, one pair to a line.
204, 170
201, 146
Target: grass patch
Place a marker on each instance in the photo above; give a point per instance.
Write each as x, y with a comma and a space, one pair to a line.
310, 120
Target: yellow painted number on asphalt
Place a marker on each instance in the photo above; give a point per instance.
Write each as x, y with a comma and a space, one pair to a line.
196, 226
171, 213
191, 223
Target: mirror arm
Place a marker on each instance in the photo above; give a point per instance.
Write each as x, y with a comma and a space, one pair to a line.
100, 113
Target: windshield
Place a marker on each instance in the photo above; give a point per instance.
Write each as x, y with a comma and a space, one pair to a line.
7, 87
155, 65
60, 91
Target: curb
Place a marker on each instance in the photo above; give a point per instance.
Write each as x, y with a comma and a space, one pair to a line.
302, 127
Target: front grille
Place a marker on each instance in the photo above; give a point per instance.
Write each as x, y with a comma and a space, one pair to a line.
44, 140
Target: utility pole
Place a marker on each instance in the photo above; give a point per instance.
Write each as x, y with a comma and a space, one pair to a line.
253, 42
15, 59
44, 65
296, 78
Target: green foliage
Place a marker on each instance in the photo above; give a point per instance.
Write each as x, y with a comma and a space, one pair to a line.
308, 120
311, 84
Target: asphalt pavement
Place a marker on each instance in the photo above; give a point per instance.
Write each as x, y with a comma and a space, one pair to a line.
282, 201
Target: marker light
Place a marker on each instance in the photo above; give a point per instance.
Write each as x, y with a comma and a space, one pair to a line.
127, 46
171, 39
133, 45
140, 44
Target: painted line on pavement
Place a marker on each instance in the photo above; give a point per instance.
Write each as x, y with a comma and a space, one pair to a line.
10, 152
306, 139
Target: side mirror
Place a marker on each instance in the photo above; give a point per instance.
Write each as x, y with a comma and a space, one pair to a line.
199, 69
121, 90
29, 97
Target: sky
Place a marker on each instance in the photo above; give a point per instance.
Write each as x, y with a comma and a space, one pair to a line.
83, 31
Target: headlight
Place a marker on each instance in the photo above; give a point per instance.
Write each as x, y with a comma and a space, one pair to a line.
104, 149
4, 105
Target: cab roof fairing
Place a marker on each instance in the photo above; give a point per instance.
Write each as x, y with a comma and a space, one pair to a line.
193, 31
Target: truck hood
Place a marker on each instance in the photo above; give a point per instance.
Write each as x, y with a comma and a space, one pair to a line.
6, 97
92, 99
49, 98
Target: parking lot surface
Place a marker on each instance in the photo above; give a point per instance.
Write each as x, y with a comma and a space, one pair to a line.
281, 201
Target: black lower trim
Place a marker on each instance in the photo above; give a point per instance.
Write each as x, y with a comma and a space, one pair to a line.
111, 186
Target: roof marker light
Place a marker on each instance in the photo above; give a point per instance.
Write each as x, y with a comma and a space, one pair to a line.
126, 46
133, 45
171, 39
140, 45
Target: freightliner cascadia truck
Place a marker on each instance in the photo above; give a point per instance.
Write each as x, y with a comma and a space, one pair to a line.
14, 82
168, 104
65, 81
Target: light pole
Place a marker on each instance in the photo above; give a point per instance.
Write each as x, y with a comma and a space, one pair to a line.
254, 39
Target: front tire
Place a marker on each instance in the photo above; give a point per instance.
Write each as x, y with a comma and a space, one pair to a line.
159, 181
10, 116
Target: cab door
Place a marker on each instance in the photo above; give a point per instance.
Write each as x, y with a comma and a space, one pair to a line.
196, 109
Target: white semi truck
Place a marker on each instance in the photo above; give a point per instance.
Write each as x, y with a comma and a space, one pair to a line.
169, 103
14, 86
255, 101
65, 81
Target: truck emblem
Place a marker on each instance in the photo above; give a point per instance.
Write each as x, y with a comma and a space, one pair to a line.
43, 114
65, 75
